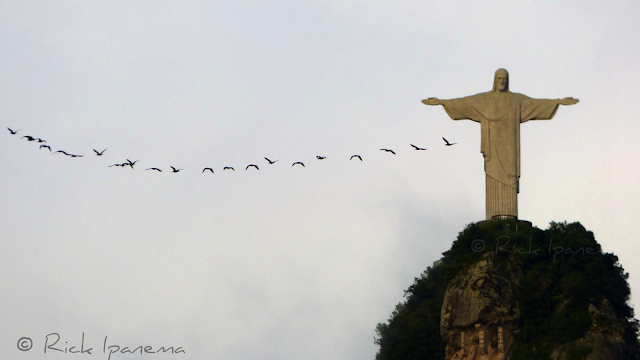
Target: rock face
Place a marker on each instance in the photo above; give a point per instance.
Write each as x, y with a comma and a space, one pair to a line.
508, 290
605, 340
477, 313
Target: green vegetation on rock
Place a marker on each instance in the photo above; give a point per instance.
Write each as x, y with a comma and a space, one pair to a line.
567, 294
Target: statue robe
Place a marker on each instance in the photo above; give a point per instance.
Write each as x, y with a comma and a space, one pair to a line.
500, 115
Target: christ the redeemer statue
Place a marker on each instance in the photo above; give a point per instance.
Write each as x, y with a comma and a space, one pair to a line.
500, 113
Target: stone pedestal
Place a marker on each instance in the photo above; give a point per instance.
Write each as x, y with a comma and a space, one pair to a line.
507, 224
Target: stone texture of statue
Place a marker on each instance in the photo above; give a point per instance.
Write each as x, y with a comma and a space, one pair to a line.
500, 113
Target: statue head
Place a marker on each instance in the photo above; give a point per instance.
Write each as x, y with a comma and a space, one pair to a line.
501, 80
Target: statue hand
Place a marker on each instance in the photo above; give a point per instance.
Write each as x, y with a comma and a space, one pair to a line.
568, 101
432, 101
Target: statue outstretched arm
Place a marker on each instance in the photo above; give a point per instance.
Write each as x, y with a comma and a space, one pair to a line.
568, 101
432, 101
458, 109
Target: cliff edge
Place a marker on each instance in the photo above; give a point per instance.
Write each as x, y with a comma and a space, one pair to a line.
507, 290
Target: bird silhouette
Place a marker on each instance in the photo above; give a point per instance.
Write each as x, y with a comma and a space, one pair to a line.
99, 153
29, 138
40, 140
207, 168
270, 162
252, 165
228, 168
321, 157
66, 153
356, 156
417, 148
389, 150
131, 163
447, 143
46, 146
13, 132
156, 169
121, 165
298, 162
174, 169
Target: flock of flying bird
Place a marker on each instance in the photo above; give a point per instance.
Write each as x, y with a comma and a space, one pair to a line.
176, 170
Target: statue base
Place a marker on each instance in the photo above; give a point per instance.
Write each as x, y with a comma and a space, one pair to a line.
507, 220
504, 217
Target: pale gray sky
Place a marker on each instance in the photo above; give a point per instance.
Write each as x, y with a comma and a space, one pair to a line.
284, 262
